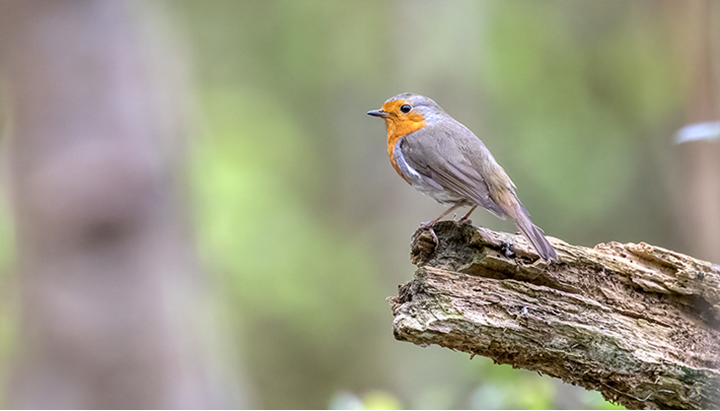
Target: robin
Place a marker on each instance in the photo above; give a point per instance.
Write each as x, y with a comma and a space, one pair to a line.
444, 160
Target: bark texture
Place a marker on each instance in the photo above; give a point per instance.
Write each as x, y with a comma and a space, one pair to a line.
639, 323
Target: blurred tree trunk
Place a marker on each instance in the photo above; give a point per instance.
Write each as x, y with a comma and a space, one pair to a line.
109, 286
696, 177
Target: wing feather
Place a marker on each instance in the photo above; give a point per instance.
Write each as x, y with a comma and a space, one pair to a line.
439, 158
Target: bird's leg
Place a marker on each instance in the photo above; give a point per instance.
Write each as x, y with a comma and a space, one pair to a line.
430, 224
466, 218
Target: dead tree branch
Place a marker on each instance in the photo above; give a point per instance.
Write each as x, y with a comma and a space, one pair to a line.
640, 324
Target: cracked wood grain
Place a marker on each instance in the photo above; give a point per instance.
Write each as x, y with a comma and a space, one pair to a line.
638, 323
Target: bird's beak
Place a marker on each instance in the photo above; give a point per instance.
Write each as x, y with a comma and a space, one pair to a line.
377, 113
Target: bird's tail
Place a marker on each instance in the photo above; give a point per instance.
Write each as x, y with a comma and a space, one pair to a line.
534, 234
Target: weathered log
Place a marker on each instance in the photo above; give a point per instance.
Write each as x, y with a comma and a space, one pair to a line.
639, 323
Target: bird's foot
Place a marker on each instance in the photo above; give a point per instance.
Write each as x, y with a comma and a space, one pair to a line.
466, 218
428, 225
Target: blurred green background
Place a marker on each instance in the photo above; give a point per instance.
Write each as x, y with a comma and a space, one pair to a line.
303, 226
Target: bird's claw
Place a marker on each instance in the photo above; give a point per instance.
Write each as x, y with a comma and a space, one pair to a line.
428, 225
465, 220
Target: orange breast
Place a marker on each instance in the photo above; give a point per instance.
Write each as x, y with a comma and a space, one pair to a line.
399, 125
393, 160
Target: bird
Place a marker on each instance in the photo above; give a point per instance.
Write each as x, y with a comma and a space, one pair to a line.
444, 160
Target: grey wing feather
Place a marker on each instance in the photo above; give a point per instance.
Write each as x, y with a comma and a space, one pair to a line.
454, 170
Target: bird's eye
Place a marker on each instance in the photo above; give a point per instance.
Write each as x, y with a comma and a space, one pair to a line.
405, 108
